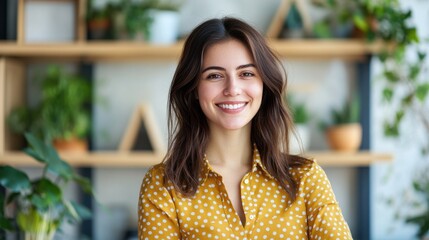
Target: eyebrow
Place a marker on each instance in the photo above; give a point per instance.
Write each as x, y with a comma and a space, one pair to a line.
223, 69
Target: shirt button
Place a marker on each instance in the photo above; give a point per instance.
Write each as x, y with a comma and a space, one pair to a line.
246, 181
252, 217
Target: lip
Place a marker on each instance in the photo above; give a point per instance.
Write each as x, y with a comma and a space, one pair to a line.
232, 106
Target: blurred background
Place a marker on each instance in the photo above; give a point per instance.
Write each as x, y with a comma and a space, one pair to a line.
93, 64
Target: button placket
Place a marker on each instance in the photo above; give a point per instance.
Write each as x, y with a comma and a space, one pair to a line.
246, 193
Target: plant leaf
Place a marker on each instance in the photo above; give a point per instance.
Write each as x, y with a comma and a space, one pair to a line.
84, 183
47, 154
391, 76
71, 211
414, 72
387, 94
38, 149
61, 168
422, 91
84, 212
76, 211
46, 193
360, 22
14, 179
12, 197
6, 223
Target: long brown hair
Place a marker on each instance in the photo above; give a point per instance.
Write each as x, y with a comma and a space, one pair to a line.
187, 124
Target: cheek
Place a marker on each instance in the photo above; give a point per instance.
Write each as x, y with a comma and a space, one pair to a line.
208, 91
255, 90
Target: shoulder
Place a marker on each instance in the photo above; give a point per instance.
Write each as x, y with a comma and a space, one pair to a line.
310, 170
154, 176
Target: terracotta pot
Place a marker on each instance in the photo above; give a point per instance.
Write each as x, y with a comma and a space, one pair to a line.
345, 137
98, 28
71, 145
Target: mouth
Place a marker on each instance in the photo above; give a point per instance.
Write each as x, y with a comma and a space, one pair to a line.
231, 106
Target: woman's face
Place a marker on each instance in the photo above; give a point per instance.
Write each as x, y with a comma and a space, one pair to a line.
230, 87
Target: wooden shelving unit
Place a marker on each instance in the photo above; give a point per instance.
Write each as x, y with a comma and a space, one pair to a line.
146, 159
99, 51
306, 49
15, 54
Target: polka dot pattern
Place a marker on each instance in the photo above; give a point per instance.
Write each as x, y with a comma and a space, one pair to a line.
269, 211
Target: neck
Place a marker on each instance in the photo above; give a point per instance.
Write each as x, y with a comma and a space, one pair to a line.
230, 148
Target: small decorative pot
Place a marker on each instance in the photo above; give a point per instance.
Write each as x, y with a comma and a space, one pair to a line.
73, 145
345, 137
164, 28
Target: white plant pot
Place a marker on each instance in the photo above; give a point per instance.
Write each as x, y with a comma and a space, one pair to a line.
300, 142
164, 28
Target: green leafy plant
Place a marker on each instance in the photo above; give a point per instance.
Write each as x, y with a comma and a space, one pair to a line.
421, 187
40, 205
406, 82
61, 113
137, 19
406, 92
381, 19
100, 20
349, 113
167, 5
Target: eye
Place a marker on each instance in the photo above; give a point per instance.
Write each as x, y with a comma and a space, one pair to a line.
214, 76
247, 74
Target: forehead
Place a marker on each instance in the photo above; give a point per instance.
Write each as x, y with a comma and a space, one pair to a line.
227, 52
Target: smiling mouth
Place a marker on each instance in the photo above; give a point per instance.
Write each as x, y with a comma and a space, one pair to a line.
231, 106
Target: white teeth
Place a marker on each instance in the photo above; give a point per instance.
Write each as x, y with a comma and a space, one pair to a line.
231, 106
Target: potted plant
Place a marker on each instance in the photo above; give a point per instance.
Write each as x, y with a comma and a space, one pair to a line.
164, 25
100, 20
345, 132
61, 117
38, 207
136, 20
299, 140
382, 19
404, 74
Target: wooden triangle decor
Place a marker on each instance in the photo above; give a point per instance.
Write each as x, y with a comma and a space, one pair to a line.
278, 20
142, 132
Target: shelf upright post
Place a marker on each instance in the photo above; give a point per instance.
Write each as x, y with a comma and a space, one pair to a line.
87, 225
20, 36
364, 194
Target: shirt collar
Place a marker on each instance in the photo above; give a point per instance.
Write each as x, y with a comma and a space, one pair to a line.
256, 166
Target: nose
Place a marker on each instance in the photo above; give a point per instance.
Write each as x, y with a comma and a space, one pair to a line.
232, 87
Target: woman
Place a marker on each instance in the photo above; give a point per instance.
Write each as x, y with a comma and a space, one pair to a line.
226, 174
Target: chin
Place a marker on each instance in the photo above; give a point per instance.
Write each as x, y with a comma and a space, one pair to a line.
234, 126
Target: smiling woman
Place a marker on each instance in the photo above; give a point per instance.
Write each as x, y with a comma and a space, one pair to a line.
228, 173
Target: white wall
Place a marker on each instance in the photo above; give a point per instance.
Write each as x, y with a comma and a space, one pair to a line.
393, 181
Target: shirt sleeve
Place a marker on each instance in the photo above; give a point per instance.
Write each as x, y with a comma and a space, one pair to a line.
324, 217
157, 217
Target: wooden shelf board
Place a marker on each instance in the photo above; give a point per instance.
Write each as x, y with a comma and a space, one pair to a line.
362, 158
114, 50
92, 159
146, 159
92, 50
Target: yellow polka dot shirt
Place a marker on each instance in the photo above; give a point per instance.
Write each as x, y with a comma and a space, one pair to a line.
269, 211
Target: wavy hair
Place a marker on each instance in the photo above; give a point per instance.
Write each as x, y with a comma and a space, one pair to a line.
187, 125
